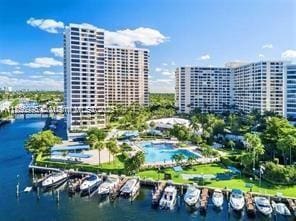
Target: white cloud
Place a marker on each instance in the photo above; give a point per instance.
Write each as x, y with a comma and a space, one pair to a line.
44, 62
48, 25
267, 46
289, 54
5, 73
158, 69
173, 63
52, 73
162, 85
166, 81
86, 25
164, 64
17, 67
8, 62
58, 52
18, 72
36, 76
132, 37
126, 37
167, 73
205, 57
38, 84
261, 56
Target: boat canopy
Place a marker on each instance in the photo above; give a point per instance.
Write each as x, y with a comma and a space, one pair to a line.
237, 191
70, 148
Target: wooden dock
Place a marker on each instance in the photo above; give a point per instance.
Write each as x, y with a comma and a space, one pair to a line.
157, 193
250, 205
116, 190
204, 200
292, 206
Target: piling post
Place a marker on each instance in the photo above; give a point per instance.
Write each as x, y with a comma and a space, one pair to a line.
38, 193
58, 196
17, 186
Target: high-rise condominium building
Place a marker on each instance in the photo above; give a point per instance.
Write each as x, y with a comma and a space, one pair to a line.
97, 76
206, 88
126, 78
290, 95
244, 87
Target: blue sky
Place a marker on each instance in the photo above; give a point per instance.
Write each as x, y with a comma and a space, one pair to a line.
177, 32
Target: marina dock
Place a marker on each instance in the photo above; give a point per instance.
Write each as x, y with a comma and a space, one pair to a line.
157, 193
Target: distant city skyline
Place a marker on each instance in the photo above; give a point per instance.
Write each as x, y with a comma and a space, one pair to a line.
177, 33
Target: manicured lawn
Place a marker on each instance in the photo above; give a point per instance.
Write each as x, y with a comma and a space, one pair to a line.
115, 166
239, 182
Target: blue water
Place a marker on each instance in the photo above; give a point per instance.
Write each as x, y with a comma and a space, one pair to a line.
14, 160
163, 152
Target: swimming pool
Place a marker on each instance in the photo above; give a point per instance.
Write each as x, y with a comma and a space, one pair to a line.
162, 152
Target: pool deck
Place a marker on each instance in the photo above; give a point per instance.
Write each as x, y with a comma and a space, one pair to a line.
167, 164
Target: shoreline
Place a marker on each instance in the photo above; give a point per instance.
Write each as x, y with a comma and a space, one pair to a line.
151, 182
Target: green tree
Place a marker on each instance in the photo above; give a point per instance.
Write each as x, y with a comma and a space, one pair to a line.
287, 145
42, 142
254, 146
178, 158
99, 133
231, 144
112, 148
247, 159
276, 129
191, 159
134, 163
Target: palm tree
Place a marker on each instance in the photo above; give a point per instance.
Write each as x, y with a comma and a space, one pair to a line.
100, 145
231, 144
177, 158
254, 146
287, 144
191, 159
195, 123
112, 148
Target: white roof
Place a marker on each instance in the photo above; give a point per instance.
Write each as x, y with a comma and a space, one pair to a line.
169, 122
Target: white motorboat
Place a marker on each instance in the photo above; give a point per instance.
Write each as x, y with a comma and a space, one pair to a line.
237, 201
218, 198
192, 195
281, 209
54, 180
90, 183
130, 188
169, 198
108, 185
263, 205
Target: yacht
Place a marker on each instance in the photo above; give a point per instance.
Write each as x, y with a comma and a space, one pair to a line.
130, 188
108, 185
263, 205
89, 184
237, 201
218, 198
281, 209
192, 195
169, 198
54, 180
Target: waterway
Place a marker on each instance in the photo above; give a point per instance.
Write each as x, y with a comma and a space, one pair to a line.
14, 161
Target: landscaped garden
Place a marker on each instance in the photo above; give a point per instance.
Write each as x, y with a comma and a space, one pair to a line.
256, 145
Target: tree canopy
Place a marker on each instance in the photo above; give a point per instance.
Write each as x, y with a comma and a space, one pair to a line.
42, 142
